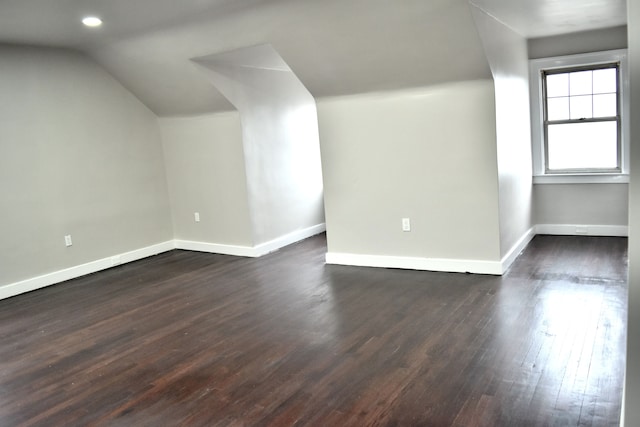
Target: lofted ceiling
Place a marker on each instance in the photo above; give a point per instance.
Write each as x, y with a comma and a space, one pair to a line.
335, 47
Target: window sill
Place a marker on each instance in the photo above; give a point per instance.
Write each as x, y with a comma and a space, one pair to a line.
613, 178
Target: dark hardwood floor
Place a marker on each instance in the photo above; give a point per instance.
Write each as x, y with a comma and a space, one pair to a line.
187, 338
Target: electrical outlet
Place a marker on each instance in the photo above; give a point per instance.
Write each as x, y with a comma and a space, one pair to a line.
67, 240
196, 216
406, 224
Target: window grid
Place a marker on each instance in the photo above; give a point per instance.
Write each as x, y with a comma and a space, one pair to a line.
570, 119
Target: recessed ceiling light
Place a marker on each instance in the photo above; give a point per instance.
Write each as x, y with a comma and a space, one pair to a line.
92, 21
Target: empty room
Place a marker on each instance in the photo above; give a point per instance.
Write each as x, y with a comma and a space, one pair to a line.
322, 213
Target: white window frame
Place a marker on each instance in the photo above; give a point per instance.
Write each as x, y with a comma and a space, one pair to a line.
536, 66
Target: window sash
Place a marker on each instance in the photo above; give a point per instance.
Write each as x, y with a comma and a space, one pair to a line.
616, 118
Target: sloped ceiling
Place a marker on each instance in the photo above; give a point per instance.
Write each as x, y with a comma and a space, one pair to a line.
541, 18
335, 47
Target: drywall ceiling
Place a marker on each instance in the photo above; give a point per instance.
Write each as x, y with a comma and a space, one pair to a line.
541, 18
335, 47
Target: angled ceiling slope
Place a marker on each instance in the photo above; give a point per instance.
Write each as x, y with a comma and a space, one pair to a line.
335, 47
542, 18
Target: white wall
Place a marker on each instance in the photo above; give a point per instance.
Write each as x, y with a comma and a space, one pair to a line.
575, 43
428, 154
580, 204
79, 155
592, 204
280, 139
206, 174
507, 55
631, 411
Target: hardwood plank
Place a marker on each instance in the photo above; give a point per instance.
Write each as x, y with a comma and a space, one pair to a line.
186, 338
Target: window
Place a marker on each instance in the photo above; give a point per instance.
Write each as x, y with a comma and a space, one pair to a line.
579, 128
581, 119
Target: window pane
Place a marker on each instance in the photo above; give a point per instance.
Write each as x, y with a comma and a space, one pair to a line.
580, 83
583, 146
581, 107
604, 81
558, 108
557, 85
605, 105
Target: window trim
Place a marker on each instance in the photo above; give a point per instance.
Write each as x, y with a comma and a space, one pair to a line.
546, 122
536, 67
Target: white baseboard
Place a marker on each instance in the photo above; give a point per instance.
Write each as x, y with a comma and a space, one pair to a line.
252, 251
513, 253
49, 279
474, 266
288, 239
215, 248
583, 230
416, 263
412, 263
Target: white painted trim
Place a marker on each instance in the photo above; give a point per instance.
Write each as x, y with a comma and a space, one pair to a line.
252, 251
582, 179
535, 88
384, 261
288, 239
215, 248
513, 253
416, 263
583, 230
474, 266
49, 279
